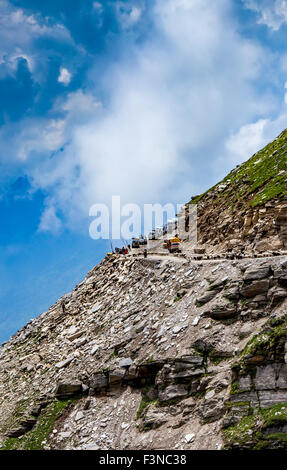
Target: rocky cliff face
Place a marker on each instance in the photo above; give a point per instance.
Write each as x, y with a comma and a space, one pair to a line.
247, 211
159, 353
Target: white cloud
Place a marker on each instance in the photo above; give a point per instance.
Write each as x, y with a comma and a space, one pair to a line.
28, 26
40, 137
129, 14
135, 15
247, 141
65, 76
19, 32
49, 221
80, 102
170, 108
272, 13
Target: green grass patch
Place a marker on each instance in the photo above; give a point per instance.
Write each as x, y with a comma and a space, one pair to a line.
33, 440
249, 430
257, 181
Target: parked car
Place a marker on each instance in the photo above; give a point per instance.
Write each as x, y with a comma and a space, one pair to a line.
135, 243
142, 240
158, 232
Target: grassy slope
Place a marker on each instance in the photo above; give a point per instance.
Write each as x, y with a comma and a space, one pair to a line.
258, 180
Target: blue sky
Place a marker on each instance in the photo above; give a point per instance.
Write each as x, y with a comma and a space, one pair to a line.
152, 100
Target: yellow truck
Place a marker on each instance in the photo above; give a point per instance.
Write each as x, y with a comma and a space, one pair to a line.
173, 245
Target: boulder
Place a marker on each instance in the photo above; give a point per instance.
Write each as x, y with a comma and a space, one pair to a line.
28, 422
222, 311
16, 432
271, 397
154, 418
245, 383
265, 378
280, 273
207, 297
126, 362
116, 376
68, 389
171, 392
218, 284
254, 273
282, 377
36, 410
211, 410
65, 363
99, 382
232, 292
277, 294
255, 288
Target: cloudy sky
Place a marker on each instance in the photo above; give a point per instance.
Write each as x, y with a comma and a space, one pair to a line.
152, 100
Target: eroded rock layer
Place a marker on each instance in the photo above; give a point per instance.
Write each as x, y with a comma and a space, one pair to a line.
168, 352
153, 353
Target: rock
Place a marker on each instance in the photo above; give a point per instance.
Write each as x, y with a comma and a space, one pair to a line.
116, 376
177, 329
222, 311
76, 335
207, 297
68, 389
280, 273
154, 418
218, 284
79, 416
232, 293
70, 331
96, 308
199, 251
92, 447
94, 349
28, 422
210, 394
235, 415
65, 434
171, 392
246, 330
281, 381
277, 294
211, 410
16, 432
257, 272
196, 360
255, 288
271, 397
99, 382
36, 410
189, 438
245, 383
126, 362
65, 363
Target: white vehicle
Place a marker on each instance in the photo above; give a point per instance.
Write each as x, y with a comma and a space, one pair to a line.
152, 235
171, 225
158, 232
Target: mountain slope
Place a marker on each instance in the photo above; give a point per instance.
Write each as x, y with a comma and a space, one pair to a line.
167, 352
248, 208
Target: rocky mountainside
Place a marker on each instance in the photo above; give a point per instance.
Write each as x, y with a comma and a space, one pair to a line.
247, 211
168, 352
